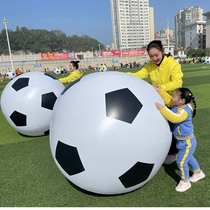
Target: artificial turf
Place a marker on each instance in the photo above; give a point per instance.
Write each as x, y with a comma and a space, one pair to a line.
30, 178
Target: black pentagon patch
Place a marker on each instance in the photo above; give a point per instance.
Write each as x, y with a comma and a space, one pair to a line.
122, 105
68, 158
136, 174
20, 83
18, 118
48, 100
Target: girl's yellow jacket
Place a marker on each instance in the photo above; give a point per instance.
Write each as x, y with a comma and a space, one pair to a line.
168, 75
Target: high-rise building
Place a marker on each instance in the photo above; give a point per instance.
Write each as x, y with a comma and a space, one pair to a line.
207, 14
195, 35
183, 18
132, 23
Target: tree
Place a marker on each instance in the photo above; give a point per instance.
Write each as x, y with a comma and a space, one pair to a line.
207, 52
191, 53
200, 52
40, 40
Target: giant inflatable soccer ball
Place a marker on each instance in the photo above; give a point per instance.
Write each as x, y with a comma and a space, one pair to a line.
112, 140
27, 102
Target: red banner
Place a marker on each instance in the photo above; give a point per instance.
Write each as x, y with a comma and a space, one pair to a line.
55, 56
118, 53
110, 53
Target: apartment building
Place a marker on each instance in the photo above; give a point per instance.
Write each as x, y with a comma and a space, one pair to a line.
195, 35
132, 23
183, 19
207, 14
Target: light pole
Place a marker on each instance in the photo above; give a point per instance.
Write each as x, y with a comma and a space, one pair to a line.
92, 52
10, 54
99, 49
93, 58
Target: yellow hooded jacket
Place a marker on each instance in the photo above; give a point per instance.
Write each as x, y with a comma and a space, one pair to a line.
168, 75
72, 77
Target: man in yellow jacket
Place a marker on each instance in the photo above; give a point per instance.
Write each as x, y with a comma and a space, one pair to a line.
75, 73
164, 71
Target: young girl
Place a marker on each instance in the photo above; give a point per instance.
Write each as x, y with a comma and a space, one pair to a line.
181, 115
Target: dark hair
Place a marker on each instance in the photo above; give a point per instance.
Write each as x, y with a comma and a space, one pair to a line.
158, 45
75, 64
155, 44
186, 94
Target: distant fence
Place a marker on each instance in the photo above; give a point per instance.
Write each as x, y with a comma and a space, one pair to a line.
35, 62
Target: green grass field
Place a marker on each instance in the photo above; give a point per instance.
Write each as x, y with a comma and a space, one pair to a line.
30, 178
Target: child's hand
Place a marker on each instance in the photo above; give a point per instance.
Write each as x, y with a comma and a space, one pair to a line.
159, 106
156, 87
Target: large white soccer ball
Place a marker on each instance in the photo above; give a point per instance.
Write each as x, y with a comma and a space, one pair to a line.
27, 102
112, 140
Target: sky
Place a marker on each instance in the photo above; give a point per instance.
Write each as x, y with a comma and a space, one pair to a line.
83, 17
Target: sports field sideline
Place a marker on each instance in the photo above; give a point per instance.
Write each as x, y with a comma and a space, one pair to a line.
30, 178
